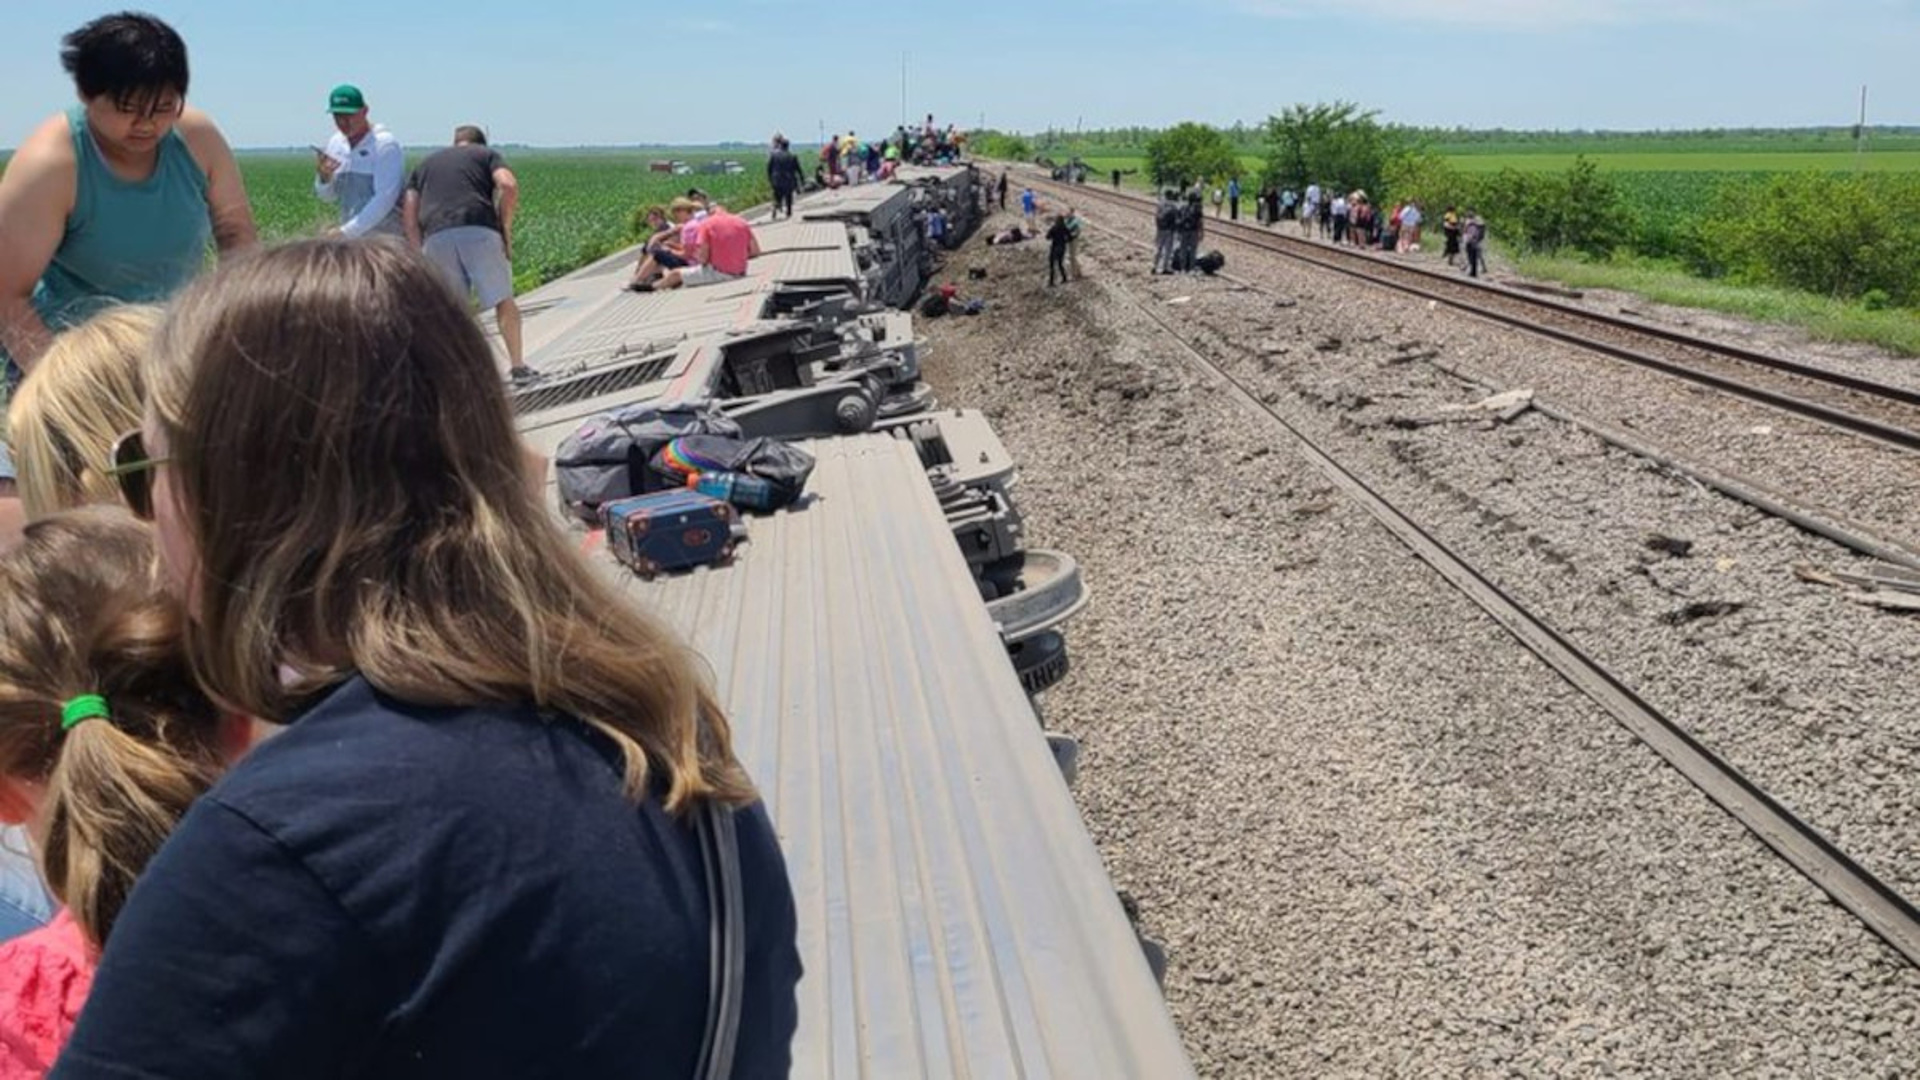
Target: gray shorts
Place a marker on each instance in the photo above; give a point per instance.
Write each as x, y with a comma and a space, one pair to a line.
474, 259
705, 275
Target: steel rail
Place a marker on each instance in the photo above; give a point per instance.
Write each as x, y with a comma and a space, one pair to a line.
1377, 270
1876, 904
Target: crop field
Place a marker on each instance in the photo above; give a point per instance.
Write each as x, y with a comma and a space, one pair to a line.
1689, 162
575, 206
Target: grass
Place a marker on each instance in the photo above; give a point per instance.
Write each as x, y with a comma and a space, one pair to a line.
1734, 161
1897, 330
575, 205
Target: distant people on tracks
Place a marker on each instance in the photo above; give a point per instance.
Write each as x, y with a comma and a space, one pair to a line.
1030, 208
112, 200
783, 175
474, 826
361, 169
1341, 213
1166, 231
1474, 232
1002, 189
1192, 225
1289, 203
1233, 198
1410, 219
459, 209
1074, 228
1219, 200
1450, 230
1058, 237
105, 739
1315, 204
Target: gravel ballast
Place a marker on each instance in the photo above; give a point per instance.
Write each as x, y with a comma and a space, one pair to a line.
1377, 836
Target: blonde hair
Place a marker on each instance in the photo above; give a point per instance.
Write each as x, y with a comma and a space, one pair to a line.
346, 463
85, 392
81, 613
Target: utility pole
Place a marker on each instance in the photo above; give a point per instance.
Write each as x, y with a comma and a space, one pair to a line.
1860, 131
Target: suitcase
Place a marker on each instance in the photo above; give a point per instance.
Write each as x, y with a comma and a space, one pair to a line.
670, 530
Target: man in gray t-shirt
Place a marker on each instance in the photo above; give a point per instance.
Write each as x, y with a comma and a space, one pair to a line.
459, 209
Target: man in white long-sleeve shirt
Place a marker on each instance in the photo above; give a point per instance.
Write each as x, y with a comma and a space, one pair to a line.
363, 168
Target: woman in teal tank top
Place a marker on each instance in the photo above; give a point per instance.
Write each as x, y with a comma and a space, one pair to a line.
114, 200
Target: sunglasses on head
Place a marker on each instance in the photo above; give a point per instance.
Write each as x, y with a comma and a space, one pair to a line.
133, 469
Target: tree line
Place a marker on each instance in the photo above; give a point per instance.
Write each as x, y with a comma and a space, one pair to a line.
1837, 234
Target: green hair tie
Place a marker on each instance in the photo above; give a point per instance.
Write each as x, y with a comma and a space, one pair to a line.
83, 708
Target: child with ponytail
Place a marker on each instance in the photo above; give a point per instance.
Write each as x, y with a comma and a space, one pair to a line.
104, 743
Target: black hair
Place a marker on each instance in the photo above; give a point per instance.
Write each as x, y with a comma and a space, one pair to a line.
132, 56
468, 133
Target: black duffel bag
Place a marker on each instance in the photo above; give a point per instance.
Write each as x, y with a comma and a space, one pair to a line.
608, 457
783, 466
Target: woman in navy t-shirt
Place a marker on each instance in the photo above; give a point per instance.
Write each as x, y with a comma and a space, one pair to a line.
467, 854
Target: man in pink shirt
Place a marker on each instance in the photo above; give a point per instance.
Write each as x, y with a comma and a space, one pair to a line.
718, 251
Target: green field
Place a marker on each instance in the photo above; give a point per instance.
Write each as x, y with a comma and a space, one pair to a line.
1637, 161
1712, 162
575, 205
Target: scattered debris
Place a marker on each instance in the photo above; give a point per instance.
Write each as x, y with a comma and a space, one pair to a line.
1761, 430
1670, 545
1702, 609
1504, 408
1887, 601
1181, 300
1328, 344
1550, 290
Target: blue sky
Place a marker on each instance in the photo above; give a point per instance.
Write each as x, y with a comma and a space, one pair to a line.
570, 72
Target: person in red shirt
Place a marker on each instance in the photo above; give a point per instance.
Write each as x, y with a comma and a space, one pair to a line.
105, 740
720, 252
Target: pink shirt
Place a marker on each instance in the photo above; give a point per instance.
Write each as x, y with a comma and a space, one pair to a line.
44, 979
690, 236
729, 241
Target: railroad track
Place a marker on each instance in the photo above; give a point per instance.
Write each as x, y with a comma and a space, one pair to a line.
1876, 904
1890, 414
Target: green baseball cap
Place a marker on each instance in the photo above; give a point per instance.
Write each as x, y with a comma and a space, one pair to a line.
346, 98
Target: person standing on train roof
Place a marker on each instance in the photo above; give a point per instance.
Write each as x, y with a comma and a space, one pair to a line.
783, 175
458, 210
362, 168
111, 200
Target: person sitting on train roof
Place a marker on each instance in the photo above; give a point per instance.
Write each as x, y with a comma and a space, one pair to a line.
667, 248
720, 252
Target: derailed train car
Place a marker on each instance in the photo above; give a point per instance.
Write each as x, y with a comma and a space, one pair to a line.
880, 647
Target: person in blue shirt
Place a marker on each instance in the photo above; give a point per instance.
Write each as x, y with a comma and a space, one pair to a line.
1029, 208
468, 852
1233, 198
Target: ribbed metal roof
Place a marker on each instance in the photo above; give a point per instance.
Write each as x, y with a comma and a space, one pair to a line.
955, 917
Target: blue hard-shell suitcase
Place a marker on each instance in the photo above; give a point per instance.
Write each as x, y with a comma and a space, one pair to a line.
670, 530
